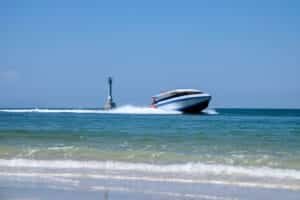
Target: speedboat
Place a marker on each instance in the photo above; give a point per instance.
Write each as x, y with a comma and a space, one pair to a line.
184, 100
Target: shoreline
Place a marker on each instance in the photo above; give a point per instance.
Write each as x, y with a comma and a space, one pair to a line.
39, 187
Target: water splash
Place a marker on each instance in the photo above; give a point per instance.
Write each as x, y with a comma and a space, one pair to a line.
130, 109
210, 112
126, 109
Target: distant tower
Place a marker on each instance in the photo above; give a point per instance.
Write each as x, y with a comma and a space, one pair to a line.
109, 104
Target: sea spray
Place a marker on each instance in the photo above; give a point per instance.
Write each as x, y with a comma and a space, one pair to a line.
210, 112
125, 109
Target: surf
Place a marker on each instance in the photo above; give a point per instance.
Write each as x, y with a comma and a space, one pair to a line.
185, 168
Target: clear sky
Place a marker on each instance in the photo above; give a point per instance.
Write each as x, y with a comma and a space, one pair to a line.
59, 53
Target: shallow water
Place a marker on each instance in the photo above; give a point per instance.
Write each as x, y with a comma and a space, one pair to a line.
244, 148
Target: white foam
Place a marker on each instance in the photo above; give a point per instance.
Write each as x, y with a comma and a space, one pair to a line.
126, 109
210, 112
130, 109
45, 110
60, 148
268, 185
188, 168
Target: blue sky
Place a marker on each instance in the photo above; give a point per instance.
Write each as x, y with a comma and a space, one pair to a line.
59, 53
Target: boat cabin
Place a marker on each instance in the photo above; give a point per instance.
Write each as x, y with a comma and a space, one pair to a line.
173, 93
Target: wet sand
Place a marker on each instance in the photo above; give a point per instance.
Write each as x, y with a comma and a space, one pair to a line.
48, 188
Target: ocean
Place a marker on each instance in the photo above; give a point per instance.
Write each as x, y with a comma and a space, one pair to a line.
144, 153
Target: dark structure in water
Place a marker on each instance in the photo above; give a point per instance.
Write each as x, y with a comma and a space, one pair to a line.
109, 104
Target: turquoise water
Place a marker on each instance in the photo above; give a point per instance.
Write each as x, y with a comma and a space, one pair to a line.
233, 136
247, 148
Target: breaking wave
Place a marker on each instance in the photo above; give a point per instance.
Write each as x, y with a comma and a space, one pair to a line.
187, 168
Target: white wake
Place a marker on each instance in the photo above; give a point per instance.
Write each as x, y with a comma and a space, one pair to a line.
126, 109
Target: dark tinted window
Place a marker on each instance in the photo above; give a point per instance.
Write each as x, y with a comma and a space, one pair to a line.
177, 95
